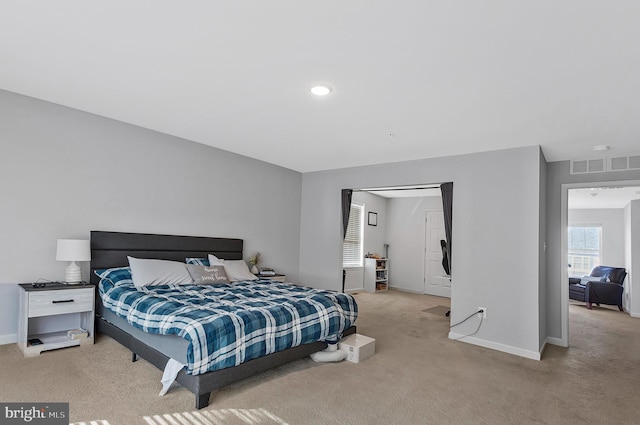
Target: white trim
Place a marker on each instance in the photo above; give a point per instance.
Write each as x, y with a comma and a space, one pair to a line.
8, 339
564, 275
496, 346
413, 291
554, 341
637, 315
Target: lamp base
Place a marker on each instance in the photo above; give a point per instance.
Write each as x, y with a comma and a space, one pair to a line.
73, 274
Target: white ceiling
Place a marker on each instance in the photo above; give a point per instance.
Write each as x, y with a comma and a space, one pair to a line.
442, 77
602, 197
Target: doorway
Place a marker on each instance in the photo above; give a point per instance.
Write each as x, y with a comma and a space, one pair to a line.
582, 196
398, 232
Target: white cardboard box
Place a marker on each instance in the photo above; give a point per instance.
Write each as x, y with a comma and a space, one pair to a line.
358, 347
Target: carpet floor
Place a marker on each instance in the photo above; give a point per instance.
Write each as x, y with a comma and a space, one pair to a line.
417, 376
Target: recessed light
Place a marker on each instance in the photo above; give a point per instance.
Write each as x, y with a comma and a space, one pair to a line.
321, 89
601, 148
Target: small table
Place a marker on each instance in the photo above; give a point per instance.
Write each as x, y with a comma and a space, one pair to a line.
48, 312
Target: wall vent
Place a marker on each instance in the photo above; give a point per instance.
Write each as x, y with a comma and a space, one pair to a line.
622, 163
585, 166
609, 163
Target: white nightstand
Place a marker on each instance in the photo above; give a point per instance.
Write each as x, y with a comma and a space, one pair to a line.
47, 313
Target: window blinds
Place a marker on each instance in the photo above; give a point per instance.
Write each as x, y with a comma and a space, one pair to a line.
352, 246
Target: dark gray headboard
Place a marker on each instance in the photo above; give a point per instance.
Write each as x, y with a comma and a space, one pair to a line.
110, 249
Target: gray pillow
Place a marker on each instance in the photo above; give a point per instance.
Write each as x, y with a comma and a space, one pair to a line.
207, 275
149, 272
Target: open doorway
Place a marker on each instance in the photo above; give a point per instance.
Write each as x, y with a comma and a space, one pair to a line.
395, 223
596, 223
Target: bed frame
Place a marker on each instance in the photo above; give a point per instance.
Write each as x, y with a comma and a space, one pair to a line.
110, 249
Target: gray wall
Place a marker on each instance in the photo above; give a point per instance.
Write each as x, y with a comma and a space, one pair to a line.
557, 175
64, 173
496, 235
406, 235
612, 221
374, 236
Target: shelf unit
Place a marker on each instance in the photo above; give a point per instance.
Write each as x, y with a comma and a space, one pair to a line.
376, 274
48, 313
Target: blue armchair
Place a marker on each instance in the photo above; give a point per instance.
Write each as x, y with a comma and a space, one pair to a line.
603, 285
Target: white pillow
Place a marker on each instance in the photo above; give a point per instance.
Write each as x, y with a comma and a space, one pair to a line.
237, 270
148, 272
215, 261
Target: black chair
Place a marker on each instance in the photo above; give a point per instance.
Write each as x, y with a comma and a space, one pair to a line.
603, 285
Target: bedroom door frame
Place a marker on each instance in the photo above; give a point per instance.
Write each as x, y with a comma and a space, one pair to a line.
564, 244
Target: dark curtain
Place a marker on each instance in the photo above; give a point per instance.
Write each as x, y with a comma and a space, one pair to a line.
346, 209
447, 208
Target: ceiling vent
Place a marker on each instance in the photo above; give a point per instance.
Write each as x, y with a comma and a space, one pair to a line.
609, 163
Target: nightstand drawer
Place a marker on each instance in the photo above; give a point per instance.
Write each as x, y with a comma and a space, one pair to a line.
46, 303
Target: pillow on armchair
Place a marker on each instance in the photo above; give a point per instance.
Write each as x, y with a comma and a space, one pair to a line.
586, 279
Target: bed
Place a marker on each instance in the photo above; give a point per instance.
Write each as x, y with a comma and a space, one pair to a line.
110, 250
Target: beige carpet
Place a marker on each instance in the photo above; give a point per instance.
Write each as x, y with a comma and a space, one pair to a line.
417, 376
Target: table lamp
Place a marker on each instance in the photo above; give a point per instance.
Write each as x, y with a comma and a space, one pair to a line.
73, 250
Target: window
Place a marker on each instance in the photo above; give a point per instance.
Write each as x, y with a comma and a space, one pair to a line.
584, 249
352, 246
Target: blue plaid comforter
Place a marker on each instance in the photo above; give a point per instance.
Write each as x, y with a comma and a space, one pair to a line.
229, 324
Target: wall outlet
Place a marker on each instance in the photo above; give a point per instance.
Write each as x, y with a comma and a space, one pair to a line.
484, 312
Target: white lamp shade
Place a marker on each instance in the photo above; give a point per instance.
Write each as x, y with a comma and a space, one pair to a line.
73, 250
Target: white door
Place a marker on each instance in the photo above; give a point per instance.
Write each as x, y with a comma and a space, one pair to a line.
436, 281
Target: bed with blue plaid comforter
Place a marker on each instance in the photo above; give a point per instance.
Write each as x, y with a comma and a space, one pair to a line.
230, 324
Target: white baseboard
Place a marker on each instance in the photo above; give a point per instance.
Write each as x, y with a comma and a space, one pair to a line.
353, 289
8, 339
634, 314
555, 341
496, 346
398, 288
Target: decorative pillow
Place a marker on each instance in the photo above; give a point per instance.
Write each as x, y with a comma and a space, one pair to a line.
117, 275
237, 270
205, 275
148, 272
586, 279
215, 261
198, 261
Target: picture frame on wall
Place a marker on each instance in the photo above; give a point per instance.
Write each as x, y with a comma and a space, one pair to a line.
372, 219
